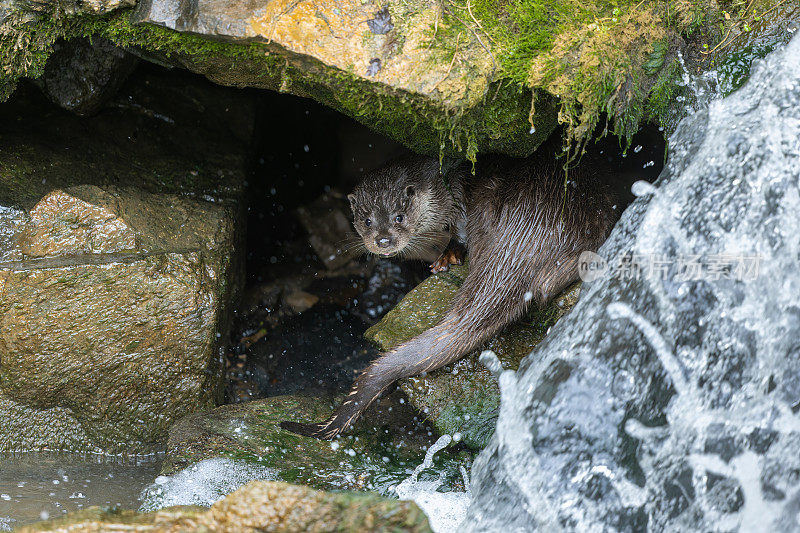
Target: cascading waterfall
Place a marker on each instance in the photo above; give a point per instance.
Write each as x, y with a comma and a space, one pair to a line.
669, 398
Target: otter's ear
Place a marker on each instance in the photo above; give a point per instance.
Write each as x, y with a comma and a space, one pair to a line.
410, 191
352, 198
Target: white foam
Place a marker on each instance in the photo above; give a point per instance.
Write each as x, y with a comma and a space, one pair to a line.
702, 375
203, 483
445, 510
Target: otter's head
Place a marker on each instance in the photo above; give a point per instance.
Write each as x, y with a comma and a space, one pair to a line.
387, 209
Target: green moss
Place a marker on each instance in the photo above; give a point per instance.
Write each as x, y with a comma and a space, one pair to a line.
660, 106
379, 452
602, 58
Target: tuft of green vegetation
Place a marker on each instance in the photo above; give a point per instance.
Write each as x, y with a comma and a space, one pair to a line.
603, 59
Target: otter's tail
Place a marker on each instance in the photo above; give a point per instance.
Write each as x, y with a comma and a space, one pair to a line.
432, 349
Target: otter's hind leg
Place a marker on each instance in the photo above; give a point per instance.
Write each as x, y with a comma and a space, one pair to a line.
553, 278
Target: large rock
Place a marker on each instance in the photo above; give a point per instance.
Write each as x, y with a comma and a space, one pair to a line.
259, 506
668, 399
341, 53
438, 77
117, 262
463, 397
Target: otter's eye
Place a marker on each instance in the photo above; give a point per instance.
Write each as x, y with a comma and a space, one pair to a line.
399, 219
367, 222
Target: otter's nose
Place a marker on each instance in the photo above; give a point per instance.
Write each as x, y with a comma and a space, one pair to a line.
383, 242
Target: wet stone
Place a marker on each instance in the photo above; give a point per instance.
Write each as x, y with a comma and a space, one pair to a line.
300, 301
259, 506
82, 75
377, 455
118, 255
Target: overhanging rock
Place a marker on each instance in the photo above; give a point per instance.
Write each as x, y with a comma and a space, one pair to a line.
383, 65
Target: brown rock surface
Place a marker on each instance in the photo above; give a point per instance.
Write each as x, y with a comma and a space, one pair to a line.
118, 256
258, 506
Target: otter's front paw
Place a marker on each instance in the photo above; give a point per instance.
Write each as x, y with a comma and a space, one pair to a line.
453, 255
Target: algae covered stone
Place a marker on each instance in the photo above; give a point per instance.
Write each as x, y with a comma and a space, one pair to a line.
378, 454
382, 65
258, 506
116, 267
463, 397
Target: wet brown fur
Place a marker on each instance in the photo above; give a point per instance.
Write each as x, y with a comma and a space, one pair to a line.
523, 236
432, 206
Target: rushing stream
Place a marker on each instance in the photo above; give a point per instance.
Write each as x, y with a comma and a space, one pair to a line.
668, 399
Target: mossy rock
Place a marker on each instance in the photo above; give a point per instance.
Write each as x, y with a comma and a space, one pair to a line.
463, 397
258, 506
421, 96
462, 76
379, 453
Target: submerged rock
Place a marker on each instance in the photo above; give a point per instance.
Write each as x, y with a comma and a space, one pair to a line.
667, 400
118, 257
463, 397
259, 506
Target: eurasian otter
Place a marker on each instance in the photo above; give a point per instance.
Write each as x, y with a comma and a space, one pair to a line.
525, 232
409, 209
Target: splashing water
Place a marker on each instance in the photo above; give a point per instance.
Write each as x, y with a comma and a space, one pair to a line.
668, 399
203, 483
704, 87
445, 510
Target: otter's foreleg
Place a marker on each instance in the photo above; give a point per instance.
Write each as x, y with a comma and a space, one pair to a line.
454, 254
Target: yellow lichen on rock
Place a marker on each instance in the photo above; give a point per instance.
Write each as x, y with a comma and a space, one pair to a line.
359, 38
